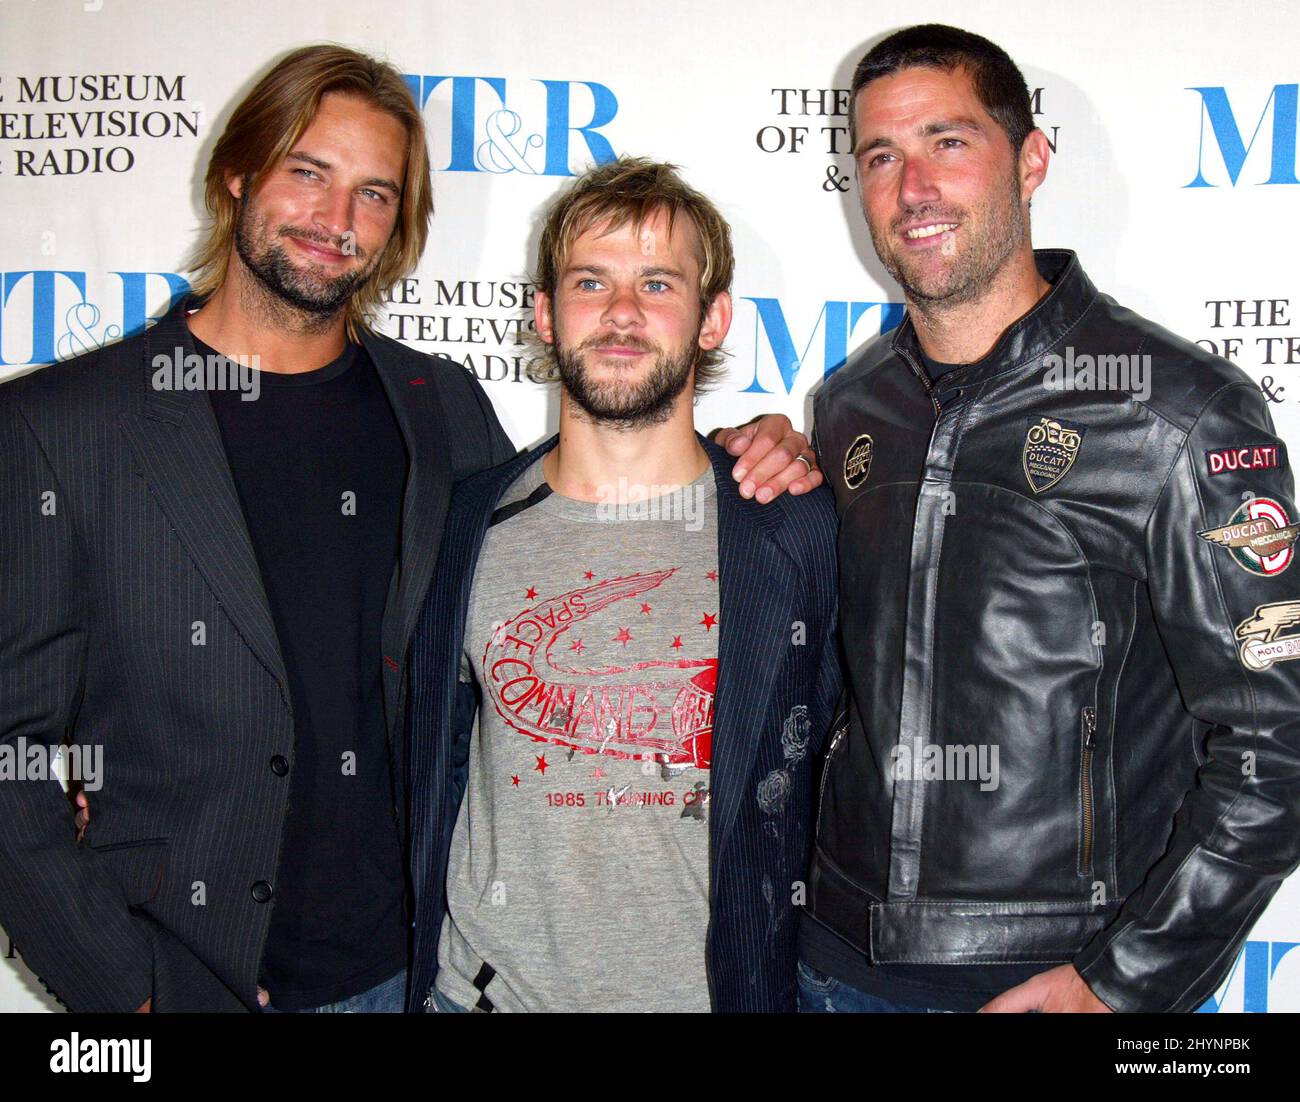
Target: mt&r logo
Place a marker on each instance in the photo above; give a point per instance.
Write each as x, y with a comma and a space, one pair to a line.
533, 134
50, 315
1227, 135
1263, 978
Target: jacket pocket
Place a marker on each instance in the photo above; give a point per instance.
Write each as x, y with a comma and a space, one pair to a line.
1087, 807
136, 866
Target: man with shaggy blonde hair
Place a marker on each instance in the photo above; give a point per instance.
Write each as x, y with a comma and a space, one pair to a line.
217, 536
652, 659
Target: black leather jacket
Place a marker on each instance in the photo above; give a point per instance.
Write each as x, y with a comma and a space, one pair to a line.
1068, 576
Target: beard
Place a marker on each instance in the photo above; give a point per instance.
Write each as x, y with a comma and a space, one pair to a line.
309, 290
618, 404
992, 237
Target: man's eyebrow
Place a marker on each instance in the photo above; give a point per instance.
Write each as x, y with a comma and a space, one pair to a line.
929, 130
944, 125
674, 273
374, 181
643, 273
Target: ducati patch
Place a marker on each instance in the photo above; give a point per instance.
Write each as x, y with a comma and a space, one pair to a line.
857, 461
1259, 536
1262, 640
1050, 450
1251, 457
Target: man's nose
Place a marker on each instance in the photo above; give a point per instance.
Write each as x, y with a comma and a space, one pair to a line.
333, 213
917, 185
623, 310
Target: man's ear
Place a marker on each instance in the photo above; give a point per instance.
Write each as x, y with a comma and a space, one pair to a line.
235, 185
543, 317
1034, 156
717, 321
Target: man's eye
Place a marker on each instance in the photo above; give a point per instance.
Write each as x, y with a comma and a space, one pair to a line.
306, 172
878, 159
588, 285
951, 143
371, 193
658, 286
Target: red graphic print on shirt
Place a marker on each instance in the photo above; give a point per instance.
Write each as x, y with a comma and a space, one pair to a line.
658, 709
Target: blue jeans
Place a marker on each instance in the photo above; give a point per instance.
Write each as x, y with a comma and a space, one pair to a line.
388, 997
823, 994
444, 1005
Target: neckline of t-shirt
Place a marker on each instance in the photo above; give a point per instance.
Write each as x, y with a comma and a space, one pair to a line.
326, 373
670, 506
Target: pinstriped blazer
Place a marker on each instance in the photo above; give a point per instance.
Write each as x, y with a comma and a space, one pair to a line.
777, 570
121, 533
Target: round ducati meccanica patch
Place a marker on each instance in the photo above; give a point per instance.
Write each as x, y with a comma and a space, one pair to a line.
1259, 536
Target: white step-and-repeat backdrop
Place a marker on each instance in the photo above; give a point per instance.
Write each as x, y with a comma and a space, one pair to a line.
1173, 125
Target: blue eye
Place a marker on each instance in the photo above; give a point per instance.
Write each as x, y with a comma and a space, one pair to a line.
588, 285
657, 285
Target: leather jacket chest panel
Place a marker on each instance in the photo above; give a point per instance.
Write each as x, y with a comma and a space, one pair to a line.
1042, 496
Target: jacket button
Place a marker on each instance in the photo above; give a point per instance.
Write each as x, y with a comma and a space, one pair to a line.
279, 765
262, 891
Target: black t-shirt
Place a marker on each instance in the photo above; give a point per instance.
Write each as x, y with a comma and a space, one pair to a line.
935, 369
320, 466
941, 986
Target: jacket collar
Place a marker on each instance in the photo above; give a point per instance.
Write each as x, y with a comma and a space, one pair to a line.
1071, 296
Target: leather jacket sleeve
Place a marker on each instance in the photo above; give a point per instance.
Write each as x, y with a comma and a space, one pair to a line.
1225, 628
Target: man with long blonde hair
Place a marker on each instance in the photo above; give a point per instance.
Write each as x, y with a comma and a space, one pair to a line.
217, 536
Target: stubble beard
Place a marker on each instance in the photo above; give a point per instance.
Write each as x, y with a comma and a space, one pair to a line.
972, 272
313, 298
619, 406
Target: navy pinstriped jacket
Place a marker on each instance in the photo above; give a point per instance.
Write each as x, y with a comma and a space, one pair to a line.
777, 568
142, 538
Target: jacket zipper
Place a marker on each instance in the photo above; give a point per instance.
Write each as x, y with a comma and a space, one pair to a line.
923, 377
1085, 788
826, 770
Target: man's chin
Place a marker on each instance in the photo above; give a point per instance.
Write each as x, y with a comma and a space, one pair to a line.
315, 296
626, 417
930, 286
308, 287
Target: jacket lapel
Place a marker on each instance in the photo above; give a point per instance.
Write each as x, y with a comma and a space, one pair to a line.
423, 424
755, 579
179, 451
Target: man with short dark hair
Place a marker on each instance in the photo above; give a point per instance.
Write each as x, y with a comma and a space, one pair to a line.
1071, 778
612, 808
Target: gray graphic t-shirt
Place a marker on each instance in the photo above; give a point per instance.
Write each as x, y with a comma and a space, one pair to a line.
579, 864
